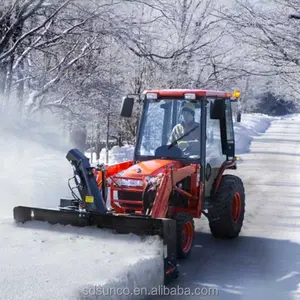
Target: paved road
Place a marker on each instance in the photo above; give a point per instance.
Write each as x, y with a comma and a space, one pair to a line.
264, 262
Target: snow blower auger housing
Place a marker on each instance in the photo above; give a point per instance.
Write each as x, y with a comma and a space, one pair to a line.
185, 143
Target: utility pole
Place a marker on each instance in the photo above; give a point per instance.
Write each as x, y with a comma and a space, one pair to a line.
108, 120
109, 110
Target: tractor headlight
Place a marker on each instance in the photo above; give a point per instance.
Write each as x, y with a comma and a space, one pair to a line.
133, 182
130, 182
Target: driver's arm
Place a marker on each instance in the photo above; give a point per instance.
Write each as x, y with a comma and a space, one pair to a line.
176, 133
172, 137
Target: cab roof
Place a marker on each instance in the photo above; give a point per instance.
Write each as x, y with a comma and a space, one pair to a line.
182, 92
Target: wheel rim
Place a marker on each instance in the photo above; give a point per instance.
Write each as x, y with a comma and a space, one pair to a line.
236, 207
187, 237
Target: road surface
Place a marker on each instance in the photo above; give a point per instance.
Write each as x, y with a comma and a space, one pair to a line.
264, 262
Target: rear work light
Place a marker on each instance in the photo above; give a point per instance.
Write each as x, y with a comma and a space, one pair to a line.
151, 96
190, 96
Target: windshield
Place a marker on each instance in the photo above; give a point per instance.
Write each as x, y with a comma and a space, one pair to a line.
170, 128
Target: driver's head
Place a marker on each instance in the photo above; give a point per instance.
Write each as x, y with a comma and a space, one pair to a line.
188, 112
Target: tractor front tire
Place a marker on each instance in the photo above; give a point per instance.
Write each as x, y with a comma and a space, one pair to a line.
185, 234
228, 207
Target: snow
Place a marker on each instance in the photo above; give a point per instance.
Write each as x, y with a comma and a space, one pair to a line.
64, 262
42, 261
34, 169
252, 125
54, 257
117, 154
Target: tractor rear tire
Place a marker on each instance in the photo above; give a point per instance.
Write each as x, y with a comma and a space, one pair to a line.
185, 234
228, 207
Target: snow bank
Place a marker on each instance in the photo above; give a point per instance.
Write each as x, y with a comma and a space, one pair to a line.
117, 154
138, 283
40, 261
252, 125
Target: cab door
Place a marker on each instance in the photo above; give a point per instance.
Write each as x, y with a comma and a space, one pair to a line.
214, 148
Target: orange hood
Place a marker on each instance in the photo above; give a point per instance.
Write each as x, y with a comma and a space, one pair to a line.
150, 168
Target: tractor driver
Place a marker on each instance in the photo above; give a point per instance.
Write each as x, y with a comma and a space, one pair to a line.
187, 124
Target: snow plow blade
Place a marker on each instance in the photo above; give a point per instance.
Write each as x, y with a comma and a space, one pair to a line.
139, 225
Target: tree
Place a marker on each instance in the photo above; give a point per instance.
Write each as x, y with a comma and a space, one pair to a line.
270, 40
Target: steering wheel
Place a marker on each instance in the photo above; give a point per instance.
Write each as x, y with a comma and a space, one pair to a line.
166, 151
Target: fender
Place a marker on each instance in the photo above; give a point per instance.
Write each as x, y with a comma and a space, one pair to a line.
226, 165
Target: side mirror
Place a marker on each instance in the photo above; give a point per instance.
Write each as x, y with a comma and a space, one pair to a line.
127, 107
217, 109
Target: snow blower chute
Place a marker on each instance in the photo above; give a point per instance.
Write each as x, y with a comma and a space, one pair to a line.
90, 209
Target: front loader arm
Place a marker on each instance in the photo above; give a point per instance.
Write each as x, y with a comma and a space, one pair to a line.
111, 170
117, 168
167, 181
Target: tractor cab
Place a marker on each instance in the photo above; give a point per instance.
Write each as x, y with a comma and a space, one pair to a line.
191, 126
180, 128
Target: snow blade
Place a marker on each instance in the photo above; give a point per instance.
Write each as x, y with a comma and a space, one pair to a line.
139, 225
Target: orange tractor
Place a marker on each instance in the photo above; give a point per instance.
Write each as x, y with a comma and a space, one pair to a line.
185, 143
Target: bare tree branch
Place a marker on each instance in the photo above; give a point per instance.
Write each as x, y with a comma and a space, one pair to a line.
30, 32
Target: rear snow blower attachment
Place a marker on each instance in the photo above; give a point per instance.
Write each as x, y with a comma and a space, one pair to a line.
90, 209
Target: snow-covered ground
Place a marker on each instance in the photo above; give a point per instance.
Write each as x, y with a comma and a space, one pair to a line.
42, 261
39, 261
